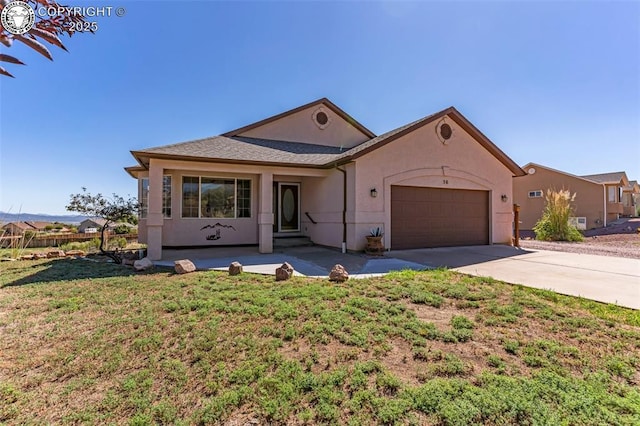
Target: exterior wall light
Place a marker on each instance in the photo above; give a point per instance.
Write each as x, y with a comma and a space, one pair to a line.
374, 192
504, 198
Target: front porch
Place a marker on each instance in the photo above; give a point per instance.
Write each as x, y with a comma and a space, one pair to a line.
282, 202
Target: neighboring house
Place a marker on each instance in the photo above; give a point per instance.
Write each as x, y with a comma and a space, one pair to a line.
92, 223
614, 183
597, 199
315, 171
19, 228
97, 223
631, 198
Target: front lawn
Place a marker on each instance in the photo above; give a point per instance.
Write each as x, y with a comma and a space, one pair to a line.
93, 343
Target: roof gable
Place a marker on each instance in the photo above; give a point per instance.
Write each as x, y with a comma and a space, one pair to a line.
536, 165
458, 118
299, 125
613, 178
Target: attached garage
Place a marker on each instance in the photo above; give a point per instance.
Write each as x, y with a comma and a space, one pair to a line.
437, 217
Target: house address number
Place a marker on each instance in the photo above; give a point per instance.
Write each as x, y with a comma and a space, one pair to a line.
445, 181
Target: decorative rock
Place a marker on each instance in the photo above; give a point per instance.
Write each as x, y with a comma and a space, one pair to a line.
40, 255
235, 268
128, 262
338, 274
284, 272
75, 253
55, 253
142, 264
26, 257
184, 266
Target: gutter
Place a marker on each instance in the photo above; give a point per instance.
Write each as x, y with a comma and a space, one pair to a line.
344, 208
604, 199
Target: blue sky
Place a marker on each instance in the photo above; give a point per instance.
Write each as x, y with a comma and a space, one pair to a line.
557, 83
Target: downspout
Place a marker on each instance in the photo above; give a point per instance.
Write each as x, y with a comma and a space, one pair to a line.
604, 199
344, 208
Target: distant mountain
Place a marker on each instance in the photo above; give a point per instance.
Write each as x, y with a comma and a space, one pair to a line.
25, 217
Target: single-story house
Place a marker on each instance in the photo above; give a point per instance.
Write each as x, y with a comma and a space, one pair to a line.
19, 228
92, 223
315, 171
96, 223
597, 202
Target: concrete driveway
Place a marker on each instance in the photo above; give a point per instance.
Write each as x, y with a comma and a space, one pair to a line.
601, 278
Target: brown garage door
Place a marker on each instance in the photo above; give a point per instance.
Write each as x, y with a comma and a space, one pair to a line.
435, 217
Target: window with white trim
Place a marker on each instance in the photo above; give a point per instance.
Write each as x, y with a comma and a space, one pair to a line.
204, 197
612, 194
535, 194
166, 197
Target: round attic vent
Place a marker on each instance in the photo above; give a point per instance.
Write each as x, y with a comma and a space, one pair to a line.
531, 170
445, 131
321, 118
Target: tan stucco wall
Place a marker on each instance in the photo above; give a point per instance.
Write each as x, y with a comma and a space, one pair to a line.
420, 159
323, 199
300, 127
588, 202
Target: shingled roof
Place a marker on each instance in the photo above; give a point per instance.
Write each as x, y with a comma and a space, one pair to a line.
237, 149
612, 178
247, 150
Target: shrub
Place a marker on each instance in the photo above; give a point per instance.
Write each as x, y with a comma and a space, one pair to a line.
554, 223
122, 229
121, 242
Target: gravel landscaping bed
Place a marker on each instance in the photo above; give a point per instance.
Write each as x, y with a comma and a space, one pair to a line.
619, 240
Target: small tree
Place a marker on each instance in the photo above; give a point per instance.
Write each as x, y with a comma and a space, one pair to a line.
47, 29
554, 224
112, 210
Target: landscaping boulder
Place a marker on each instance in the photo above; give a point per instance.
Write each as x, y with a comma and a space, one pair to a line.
55, 253
128, 262
338, 274
142, 264
26, 257
284, 272
74, 253
40, 255
235, 268
184, 266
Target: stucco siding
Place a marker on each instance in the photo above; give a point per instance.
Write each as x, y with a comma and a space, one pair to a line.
589, 201
300, 127
322, 198
420, 159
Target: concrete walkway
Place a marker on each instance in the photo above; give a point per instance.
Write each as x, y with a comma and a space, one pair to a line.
311, 261
601, 278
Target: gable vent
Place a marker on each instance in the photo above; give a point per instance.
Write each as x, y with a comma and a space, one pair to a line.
321, 118
444, 131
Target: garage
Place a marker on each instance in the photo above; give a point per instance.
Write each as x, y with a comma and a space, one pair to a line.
436, 217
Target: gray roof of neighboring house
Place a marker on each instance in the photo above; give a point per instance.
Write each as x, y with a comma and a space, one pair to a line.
613, 177
96, 220
238, 149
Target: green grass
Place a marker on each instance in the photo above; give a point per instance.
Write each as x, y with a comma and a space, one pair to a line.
91, 343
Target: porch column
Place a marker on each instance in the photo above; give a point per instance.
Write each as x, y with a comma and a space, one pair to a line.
154, 215
265, 215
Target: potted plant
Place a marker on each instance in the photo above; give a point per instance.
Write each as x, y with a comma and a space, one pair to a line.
374, 242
